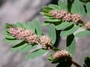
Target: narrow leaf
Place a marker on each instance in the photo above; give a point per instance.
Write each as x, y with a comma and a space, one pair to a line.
24, 25
18, 46
7, 25
53, 20
88, 8
36, 53
63, 25
7, 35
45, 23
71, 44
45, 14
31, 26
69, 5
62, 5
47, 17
77, 7
69, 31
8, 40
19, 24
55, 7
82, 33
37, 27
46, 9
52, 33
27, 48
15, 42
12, 42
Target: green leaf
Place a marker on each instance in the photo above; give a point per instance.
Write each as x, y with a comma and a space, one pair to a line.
19, 24
53, 20
45, 23
52, 33
8, 40
37, 27
36, 53
7, 26
18, 46
50, 57
27, 48
46, 14
12, 42
69, 5
15, 42
63, 25
55, 7
69, 30
71, 44
24, 25
46, 9
84, 1
77, 7
47, 17
62, 5
82, 33
7, 35
5, 40
88, 8
31, 26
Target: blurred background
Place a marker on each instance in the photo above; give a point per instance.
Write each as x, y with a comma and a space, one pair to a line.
12, 11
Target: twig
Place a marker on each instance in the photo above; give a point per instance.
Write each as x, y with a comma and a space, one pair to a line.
75, 63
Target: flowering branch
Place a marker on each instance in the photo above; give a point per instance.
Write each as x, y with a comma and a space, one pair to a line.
67, 20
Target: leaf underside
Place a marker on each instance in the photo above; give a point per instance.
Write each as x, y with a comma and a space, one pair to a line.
52, 33
71, 44
36, 53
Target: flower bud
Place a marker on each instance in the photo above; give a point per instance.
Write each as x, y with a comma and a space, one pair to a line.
87, 25
20, 35
53, 12
27, 33
58, 15
76, 17
12, 31
17, 32
63, 12
61, 54
67, 17
45, 40
32, 39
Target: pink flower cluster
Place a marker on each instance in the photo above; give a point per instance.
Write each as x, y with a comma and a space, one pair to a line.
87, 25
61, 54
20, 33
66, 16
30, 37
45, 41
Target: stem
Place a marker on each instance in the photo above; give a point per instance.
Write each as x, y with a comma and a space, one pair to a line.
51, 47
75, 63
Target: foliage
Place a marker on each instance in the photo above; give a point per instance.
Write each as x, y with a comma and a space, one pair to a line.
67, 28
